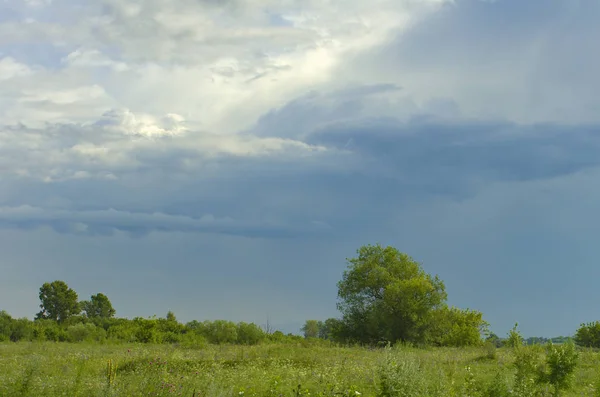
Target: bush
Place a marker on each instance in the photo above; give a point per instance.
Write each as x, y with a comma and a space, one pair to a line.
497, 387
561, 361
450, 326
192, 340
400, 375
21, 330
249, 334
85, 332
514, 339
527, 365
490, 350
146, 330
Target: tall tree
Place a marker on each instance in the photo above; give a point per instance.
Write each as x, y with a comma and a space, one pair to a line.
58, 301
311, 328
98, 306
386, 296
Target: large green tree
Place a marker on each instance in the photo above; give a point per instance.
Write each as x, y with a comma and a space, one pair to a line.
385, 295
98, 306
58, 301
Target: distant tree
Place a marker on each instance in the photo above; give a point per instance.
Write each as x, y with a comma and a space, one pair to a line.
588, 335
21, 329
221, 331
171, 316
170, 328
331, 329
98, 306
515, 339
386, 296
58, 301
311, 328
5, 325
249, 333
494, 339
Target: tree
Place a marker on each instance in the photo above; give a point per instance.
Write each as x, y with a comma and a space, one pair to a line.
171, 316
5, 325
311, 328
515, 339
249, 334
450, 326
588, 335
59, 302
495, 340
98, 306
386, 296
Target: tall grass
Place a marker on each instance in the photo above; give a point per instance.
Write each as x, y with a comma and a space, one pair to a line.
281, 370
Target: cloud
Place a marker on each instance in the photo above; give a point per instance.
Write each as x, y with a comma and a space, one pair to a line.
542, 69
10, 68
202, 60
426, 125
106, 222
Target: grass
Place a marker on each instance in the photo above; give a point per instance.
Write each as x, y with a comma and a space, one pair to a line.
71, 369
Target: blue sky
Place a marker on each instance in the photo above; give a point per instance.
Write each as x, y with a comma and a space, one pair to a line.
222, 159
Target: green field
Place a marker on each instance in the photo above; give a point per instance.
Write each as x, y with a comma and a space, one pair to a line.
302, 369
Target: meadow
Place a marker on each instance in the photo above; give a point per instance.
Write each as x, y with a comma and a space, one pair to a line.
270, 369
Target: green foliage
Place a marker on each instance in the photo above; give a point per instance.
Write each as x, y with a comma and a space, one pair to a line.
270, 370
561, 361
311, 328
85, 332
527, 364
58, 301
588, 335
5, 326
401, 376
249, 334
386, 296
498, 387
146, 330
490, 349
221, 331
514, 339
494, 339
330, 329
98, 306
21, 330
450, 326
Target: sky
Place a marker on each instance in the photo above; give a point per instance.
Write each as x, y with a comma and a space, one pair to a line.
222, 159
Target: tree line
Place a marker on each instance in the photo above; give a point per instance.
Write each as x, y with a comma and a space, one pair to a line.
384, 297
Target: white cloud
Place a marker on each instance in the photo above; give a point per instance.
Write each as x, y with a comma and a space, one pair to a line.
92, 58
219, 65
10, 68
120, 142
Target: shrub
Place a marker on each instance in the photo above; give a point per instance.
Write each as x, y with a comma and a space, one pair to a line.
192, 340
400, 376
527, 365
561, 361
249, 334
490, 350
514, 338
497, 387
85, 332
